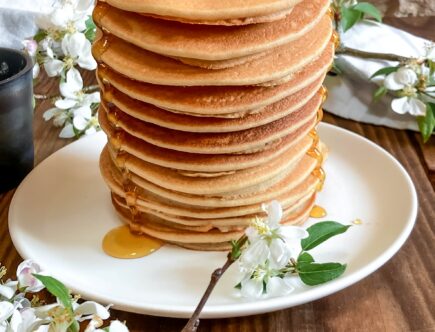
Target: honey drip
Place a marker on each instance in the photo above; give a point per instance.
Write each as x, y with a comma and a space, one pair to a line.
317, 212
315, 153
335, 38
101, 10
357, 222
100, 46
319, 115
120, 242
331, 12
324, 93
320, 174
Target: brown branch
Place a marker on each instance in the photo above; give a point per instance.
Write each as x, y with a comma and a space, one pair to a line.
91, 88
193, 323
371, 55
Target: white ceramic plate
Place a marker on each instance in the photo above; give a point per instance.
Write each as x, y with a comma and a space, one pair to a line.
62, 210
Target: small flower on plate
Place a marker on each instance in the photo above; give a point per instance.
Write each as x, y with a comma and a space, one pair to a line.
26, 280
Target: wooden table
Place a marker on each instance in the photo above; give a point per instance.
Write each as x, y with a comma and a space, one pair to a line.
400, 296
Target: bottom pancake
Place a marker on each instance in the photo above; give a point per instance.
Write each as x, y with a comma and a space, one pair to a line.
212, 240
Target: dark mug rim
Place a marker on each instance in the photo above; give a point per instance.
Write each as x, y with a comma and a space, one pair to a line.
22, 72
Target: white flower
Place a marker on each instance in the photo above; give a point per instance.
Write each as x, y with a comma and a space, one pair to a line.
78, 49
66, 15
30, 46
400, 79
26, 320
25, 276
277, 286
90, 309
8, 289
255, 254
252, 288
75, 50
6, 311
409, 105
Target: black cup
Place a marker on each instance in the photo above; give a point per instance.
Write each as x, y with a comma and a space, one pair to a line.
16, 117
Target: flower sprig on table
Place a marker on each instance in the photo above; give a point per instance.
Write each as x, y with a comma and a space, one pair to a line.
21, 309
61, 46
411, 81
272, 257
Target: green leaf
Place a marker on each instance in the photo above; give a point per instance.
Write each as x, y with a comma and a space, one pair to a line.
56, 288
305, 257
385, 71
40, 35
315, 274
321, 232
431, 65
91, 29
427, 123
379, 93
369, 9
349, 17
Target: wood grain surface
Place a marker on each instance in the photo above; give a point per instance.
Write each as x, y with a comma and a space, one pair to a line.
400, 296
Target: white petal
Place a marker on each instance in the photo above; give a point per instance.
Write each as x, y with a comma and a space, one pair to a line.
391, 82
36, 70
60, 17
416, 107
48, 114
53, 67
278, 287
80, 123
16, 320
65, 104
67, 131
252, 288
92, 98
60, 119
274, 213
255, 254
6, 310
406, 76
279, 254
252, 234
293, 232
400, 105
92, 308
83, 111
87, 61
117, 326
7, 291
73, 84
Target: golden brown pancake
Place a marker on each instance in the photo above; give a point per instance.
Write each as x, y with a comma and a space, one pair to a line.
148, 67
122, 141
213, 143
151, 114
208, 42
209, 10
216, 101
226, 183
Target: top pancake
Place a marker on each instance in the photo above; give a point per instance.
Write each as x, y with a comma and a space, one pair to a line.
208, 42
210, 10
148, 67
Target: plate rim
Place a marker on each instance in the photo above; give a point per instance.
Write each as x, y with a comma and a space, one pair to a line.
253, 307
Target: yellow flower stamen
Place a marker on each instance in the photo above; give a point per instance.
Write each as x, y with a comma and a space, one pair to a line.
3, 271
261, 227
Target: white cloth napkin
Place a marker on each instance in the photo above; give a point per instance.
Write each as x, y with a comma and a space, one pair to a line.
17, 20
350, 96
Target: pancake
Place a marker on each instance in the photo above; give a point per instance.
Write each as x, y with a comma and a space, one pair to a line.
173, 180
216, 101
122, 141
208, 42
204, 225
144, 66
245, 141
211, 240
279, 15
151, 114
209, 10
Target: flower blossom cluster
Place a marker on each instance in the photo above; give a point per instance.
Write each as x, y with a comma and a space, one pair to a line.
61, 47
19, 314
268, 262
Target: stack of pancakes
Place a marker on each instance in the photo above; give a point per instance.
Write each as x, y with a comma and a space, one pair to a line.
210, 108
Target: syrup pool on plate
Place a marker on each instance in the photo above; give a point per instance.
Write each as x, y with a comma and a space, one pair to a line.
120, 242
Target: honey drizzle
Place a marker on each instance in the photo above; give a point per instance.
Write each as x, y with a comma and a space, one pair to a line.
335, 39
317, 212
101, 9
